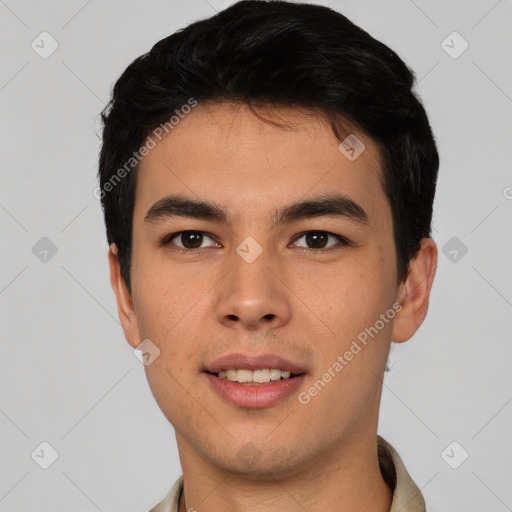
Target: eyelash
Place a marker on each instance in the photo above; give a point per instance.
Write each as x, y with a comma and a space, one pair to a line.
166, 241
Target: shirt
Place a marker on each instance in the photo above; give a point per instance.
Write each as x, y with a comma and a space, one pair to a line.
406, 495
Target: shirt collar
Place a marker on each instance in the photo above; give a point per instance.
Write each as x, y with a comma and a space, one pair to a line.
406, 495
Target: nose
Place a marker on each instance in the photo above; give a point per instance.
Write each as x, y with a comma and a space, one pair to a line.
252, 296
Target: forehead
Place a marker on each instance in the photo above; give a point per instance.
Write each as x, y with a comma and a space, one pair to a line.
244, 160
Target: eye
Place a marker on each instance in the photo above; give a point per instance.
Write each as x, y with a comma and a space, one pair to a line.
320, 240
188, 240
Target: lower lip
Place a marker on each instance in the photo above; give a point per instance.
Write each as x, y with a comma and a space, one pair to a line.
255, 396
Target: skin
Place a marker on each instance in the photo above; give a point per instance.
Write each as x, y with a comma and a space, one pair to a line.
300, 303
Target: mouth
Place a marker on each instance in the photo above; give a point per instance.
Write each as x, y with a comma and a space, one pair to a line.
254, 381
260, 377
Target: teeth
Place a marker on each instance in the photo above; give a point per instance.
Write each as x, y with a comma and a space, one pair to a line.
244, 375
275, 374
262, 376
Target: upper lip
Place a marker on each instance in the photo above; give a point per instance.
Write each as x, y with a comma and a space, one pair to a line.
242, 361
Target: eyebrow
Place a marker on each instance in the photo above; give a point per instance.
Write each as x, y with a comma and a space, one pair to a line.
327, 205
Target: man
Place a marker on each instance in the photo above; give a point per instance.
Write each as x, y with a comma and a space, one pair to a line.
267, 178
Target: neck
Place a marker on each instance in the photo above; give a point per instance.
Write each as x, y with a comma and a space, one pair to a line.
344, 479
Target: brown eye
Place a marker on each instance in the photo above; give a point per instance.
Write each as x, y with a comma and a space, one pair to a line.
316, 239
188, 240
191, 239
320, 240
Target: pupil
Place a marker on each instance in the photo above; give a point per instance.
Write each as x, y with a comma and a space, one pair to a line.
191, 239
317, 239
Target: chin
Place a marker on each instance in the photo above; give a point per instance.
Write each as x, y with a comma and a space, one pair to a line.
262, 463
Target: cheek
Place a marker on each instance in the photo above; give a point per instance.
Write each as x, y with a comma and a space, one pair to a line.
353, 293
167, 311
160, 294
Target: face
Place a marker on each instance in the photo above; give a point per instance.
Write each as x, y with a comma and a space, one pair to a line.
258, 247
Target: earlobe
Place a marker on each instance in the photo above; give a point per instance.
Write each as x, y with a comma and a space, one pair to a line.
125, 308
414, 292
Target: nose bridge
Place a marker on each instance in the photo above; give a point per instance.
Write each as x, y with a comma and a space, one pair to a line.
252, 297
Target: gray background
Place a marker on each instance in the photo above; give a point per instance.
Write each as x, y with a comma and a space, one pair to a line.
67, 375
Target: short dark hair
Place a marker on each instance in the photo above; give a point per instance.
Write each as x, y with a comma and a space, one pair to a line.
275, 54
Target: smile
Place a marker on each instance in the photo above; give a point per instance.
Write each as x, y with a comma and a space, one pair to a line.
263, 376
253, 394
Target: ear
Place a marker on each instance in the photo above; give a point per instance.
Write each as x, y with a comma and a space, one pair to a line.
125, 307
414, 292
